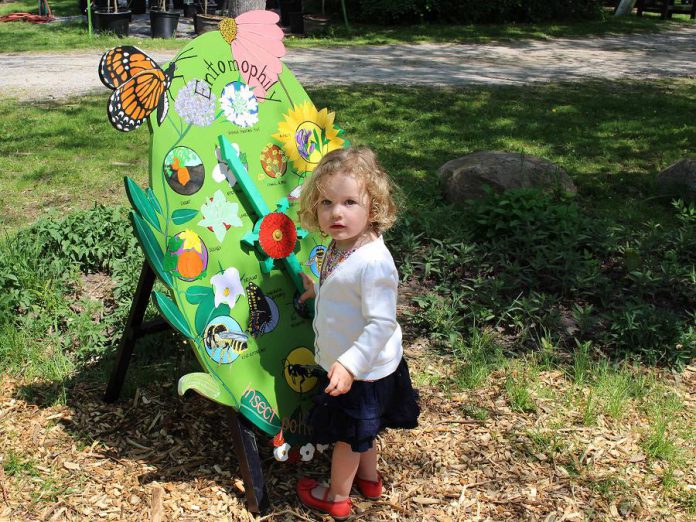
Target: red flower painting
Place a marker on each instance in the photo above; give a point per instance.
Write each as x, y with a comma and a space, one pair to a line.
277, 235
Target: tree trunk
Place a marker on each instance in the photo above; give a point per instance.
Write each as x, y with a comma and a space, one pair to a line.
237, 7
625, 7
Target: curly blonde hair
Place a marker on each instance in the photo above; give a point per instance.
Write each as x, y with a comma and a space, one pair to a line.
362, 164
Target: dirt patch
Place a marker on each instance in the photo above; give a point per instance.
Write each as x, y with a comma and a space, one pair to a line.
98, 287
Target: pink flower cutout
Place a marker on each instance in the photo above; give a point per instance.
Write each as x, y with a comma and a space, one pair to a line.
257, 45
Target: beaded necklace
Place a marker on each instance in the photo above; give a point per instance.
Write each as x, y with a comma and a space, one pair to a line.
333, 258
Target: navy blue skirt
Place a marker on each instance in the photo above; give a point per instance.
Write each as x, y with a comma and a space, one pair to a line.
368, 408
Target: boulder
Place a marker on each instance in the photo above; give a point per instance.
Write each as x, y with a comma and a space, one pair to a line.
679, 179
466, 177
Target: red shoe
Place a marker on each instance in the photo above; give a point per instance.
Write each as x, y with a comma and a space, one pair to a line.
369, 489
339, 509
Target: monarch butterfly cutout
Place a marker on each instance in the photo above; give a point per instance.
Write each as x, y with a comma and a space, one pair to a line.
139, 85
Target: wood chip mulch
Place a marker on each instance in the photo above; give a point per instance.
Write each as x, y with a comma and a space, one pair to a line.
155, 456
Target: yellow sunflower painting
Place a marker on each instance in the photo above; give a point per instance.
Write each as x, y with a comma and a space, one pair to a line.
307, 135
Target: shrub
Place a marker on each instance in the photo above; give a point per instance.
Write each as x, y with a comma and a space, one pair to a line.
472, 11
39, 281
531, 266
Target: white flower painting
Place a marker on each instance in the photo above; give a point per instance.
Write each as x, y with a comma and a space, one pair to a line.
219, 215
228, 286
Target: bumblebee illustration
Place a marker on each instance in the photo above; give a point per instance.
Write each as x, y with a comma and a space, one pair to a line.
223, 345
316, 259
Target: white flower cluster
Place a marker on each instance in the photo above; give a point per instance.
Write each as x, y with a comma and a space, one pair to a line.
195, 103
239, 104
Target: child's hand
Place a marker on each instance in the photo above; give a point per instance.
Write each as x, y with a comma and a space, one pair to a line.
309, 292
340, 380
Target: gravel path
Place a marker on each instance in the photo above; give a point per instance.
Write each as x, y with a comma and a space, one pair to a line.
670, 53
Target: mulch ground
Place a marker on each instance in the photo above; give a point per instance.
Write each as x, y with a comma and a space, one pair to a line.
157, 456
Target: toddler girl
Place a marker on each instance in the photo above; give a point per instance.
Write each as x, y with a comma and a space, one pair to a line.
358, 341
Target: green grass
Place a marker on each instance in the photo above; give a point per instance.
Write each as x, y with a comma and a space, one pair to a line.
16, 465
21, 36
610, 137
434, 33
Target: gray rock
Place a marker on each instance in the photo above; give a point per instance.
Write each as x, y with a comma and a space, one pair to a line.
465, 178
679, 179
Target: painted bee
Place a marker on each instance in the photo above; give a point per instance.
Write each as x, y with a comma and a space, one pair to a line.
303, 372
223, 345
316, 259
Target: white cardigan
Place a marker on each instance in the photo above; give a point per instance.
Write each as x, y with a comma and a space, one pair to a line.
355, 315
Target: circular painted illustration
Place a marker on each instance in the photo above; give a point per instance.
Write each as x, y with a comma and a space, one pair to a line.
316, 258
195, 103
187, 256
239, 104
307, 135
184, 170
224, 340
301, 372
273, 161
263, 311
221, 172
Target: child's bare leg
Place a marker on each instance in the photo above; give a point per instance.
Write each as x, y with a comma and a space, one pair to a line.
367, 469
344, 464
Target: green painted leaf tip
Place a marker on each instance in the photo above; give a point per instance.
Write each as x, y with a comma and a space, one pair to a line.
205, 385
172, 314
153, 199
183, 215
151, 247
141, 203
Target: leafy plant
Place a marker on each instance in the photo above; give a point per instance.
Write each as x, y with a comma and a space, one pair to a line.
47, 327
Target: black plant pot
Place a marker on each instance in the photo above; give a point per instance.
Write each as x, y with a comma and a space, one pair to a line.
296, 22
163, 24
204, 23
137, 6
287, 7
315, 24
190, 10
116, 23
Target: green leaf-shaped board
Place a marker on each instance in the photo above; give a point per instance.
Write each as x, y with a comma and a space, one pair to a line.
254, 344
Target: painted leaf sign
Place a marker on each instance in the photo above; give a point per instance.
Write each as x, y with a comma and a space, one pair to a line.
230, 150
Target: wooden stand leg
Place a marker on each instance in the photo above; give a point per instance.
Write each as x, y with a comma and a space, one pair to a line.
250, 464
133, 330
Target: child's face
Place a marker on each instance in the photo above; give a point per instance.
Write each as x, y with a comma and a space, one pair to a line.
344, 209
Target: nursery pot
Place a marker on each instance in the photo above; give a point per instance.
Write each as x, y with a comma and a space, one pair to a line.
315, 24
287, 7
204, 23
116, 23
190, 10
163, 24
296, 22
137, 6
